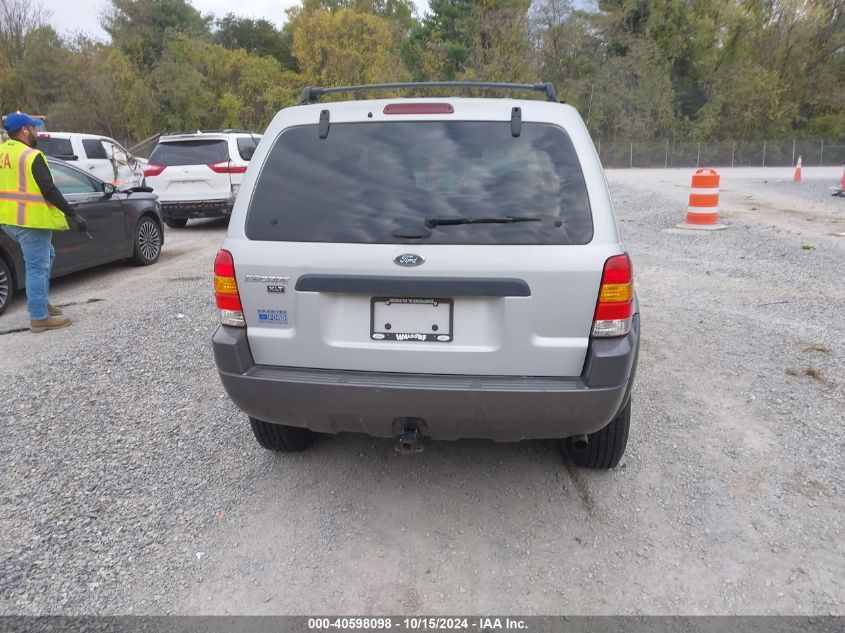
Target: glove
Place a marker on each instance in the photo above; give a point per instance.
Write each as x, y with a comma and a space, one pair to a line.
81, 224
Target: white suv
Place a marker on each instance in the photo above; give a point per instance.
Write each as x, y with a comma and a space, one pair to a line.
100, 156
198, 175
444, 267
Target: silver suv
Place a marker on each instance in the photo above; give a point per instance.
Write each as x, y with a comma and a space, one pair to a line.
434, 267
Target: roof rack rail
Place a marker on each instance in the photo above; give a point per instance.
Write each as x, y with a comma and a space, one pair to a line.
312, 94
221, 131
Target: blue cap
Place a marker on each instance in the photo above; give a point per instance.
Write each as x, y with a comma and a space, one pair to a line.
17, 120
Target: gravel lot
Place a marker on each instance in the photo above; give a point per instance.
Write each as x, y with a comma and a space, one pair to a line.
131, 484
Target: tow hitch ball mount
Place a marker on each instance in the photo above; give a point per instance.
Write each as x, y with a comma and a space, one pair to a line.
410, 440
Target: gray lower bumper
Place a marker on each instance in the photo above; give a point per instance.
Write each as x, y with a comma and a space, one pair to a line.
502, 408
199, 209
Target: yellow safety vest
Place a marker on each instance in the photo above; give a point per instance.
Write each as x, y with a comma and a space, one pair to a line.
21, 202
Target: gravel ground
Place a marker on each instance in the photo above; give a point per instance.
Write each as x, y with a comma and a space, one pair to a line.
132, 485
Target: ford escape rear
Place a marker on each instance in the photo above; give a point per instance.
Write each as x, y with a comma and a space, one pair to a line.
446, 268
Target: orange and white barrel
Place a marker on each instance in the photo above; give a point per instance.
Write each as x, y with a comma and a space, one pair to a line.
703, 208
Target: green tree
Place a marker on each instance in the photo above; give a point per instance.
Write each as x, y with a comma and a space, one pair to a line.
502, 50
102, 93
219, 87
345, 47
440, 47
255, 36
140, 28
19, 18
40, 74
397, 12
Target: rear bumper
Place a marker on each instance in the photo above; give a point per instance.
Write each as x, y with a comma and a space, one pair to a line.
501, 408
196, 209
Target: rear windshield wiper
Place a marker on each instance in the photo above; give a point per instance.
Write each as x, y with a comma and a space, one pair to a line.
504, 219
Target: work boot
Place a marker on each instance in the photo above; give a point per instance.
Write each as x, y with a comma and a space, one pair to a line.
50, 323
53, 310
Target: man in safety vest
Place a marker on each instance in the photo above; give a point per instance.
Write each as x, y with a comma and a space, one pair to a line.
31, 208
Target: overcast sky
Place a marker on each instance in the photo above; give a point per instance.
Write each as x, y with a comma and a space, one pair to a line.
84, 15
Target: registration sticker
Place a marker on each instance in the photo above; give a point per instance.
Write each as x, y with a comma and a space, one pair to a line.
273, 316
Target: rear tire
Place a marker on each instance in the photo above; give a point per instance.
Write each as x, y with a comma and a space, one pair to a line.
7, 285
606, 446
280, 437
176, 223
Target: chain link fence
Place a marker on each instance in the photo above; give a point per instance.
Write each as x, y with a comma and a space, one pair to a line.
778, 153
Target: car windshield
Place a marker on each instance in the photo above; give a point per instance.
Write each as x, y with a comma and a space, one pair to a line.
56, 147
379, 183
190, 152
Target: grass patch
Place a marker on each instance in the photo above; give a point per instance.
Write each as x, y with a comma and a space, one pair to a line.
810, 372
818, 346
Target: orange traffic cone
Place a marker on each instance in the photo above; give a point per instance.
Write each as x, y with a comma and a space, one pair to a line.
797, 176
703, 209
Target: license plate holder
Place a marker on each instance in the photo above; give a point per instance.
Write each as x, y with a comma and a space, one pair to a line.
411, 319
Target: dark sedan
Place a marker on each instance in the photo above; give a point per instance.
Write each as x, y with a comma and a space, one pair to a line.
124, 223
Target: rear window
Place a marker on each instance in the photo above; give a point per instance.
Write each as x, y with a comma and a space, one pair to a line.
380, 182
194, 152
56, 147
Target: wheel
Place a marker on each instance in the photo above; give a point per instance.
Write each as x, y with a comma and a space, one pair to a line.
147, 242
176, 223
7, 285
279, 437
606, 446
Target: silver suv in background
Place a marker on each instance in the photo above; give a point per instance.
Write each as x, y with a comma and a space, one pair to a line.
198, 175
434, 267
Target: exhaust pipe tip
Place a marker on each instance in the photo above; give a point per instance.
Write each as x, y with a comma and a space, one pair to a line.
579, 442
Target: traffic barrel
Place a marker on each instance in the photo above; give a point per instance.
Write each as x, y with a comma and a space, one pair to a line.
703, 209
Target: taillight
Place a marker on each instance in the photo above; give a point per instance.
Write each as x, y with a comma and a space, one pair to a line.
153, 170
615, 306
227, 167
226, 291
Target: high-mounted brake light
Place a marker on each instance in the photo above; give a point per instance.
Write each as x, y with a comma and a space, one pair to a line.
419, 108
615, 307
227, 167
226, 291
153, 170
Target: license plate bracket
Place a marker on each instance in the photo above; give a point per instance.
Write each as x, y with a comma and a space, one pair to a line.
411, 319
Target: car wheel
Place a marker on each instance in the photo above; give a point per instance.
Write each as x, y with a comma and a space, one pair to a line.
279, 437
176, 223
147, 242
605, 447
7, 286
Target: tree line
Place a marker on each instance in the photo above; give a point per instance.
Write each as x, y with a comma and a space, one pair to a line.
635, 69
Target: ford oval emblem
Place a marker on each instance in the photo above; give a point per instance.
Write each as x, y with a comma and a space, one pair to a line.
409, 259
